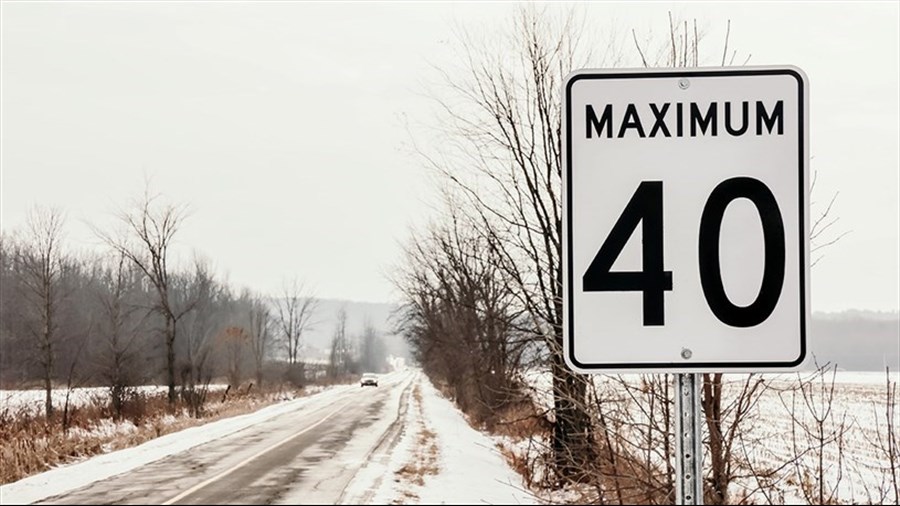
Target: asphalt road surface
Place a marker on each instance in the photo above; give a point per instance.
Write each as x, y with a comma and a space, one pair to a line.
307, 456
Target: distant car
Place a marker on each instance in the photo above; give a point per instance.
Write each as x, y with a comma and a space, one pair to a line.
369, 379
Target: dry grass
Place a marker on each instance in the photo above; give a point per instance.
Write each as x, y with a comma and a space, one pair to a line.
521, 420
411, 473
523, 427
616, 473
405, 497
30, 444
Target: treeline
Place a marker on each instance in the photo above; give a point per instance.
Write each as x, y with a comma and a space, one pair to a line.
124, 316
483, 282
463, 321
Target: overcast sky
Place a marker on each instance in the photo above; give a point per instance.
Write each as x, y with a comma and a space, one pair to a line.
286, 125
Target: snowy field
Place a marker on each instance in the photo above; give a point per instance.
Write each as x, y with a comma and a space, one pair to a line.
32, 401
780, 444
785, 432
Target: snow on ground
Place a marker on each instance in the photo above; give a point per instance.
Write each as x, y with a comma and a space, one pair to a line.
71, 477
32, 401
455, 465
472, 469
775, 430
441, 459
374, 483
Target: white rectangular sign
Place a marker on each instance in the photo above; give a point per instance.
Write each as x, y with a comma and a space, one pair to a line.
686, 220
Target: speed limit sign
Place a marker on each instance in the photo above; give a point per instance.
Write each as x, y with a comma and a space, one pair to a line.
685, 219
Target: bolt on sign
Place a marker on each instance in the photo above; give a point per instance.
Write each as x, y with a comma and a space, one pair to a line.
686, 219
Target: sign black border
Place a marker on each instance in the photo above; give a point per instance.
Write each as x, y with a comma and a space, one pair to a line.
802, 204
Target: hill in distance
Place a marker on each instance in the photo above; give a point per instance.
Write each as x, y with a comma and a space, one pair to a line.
855, 340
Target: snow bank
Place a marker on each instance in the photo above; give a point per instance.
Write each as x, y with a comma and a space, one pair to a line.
472, 470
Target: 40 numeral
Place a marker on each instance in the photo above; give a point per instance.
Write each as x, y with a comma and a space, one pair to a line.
646, 208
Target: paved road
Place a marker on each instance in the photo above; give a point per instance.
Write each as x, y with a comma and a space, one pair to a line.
307, 456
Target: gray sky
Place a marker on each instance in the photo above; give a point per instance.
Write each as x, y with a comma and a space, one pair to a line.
285, 125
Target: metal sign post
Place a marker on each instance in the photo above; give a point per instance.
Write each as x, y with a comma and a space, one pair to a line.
688, 440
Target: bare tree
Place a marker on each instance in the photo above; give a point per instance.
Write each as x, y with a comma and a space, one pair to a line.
502, 159
235, 340
815, 427
208, 315
43, 265
339, 356
150, 227
373, 354
14, 353
296, 308
71, 382
462, 320
635, 421
260, 323
727, 417
822, 231
122, 318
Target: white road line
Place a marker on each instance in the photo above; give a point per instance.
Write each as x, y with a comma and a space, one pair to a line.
251, 458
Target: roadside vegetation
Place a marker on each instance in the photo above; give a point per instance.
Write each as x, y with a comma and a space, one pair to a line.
30, 443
